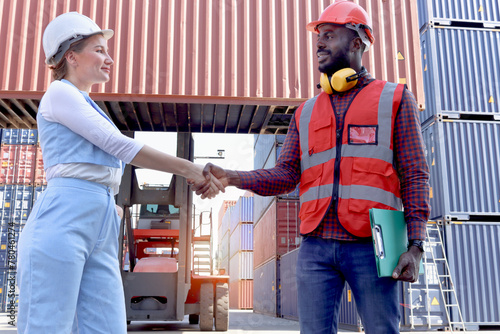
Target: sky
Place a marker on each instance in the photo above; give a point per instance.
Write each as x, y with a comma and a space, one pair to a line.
239, 155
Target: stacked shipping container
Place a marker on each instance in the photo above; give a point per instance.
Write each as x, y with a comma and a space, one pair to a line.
241, 254
460, 44
276, 232
22, 179
236, 251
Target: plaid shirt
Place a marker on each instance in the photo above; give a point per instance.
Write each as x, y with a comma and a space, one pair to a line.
409, 160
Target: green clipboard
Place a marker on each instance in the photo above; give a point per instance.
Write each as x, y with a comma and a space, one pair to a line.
390, 239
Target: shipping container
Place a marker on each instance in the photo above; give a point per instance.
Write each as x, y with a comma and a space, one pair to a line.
37, 192
266, 288
473, 253
263, 43
241, 212
463, 158
454, 84
277, 232
223, 249
3, 289
348, 314
288, 285
263, 148
17, 164
19, 136
422, 305
39, 169
479, 13
241, 239
225, 224
241, 266
241, 294
222, 211
22, 204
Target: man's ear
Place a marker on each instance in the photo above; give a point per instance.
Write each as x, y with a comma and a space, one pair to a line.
357, 45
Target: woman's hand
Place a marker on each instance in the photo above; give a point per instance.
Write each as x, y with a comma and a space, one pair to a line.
205, 184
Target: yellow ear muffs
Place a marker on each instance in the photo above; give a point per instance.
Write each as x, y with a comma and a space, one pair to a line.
325, 84
341, 81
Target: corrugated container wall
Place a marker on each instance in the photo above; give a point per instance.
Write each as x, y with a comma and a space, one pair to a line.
241, 294
486, 12
461, 67
348, 314
224, 252
266, 288
241, 266
223, 208
247, 48
463, 158
288, 285
241, 239
277, 232
241, 212
473, 252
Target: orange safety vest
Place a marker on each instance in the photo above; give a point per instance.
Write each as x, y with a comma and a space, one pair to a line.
352, 167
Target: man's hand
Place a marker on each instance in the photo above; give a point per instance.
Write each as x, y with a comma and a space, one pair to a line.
205, 184
407, 268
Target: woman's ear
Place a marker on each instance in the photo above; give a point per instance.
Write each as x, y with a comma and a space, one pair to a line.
71, 58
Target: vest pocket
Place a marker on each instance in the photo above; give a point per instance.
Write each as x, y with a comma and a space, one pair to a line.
321, 136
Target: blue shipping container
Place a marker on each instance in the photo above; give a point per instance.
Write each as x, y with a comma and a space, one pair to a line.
463, 159
460, 71
288, 286
241, 212
19, 136
473, 253
484, 12
265, 288
38, 191
241, 239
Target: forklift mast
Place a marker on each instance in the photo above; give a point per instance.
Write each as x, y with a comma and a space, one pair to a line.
163, 286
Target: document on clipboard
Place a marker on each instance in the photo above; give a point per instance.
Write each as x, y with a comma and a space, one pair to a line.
390, 239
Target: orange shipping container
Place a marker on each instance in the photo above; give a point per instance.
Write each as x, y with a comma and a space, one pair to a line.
241, 294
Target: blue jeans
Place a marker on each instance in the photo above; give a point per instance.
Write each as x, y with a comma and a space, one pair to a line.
323, 267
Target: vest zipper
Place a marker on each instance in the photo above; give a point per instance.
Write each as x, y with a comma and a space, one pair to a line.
338, 152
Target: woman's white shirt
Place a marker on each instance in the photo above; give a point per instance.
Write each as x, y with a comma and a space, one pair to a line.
65, 104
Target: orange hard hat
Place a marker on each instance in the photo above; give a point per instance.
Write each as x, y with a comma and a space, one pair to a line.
348, 14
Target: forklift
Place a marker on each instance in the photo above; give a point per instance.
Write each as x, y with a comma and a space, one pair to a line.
162, 286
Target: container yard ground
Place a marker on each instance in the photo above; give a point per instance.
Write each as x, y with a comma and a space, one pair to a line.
240, 322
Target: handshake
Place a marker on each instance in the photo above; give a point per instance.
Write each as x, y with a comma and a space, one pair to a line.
208, 181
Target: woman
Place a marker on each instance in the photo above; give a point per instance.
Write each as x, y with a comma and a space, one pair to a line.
69, 277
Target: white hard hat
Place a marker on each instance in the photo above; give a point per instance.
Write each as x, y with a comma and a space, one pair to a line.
66, 29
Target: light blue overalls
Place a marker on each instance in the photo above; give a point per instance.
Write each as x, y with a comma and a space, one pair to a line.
69, 277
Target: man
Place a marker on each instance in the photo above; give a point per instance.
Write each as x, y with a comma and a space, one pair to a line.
355, 146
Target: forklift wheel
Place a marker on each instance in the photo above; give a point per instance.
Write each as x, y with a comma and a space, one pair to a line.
194, 319
206, 307
222, 311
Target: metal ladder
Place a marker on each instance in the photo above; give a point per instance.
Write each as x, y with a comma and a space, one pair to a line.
446, 286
